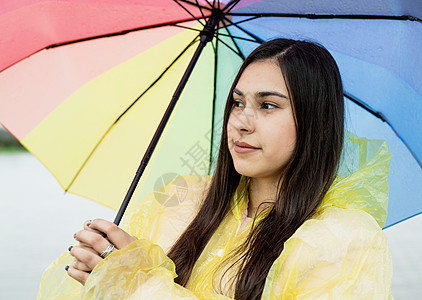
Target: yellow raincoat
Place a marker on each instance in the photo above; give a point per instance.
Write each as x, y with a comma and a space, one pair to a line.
340, 253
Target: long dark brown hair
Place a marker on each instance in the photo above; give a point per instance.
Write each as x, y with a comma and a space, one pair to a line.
316, 95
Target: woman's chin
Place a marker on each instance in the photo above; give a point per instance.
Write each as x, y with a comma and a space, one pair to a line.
254, 173
248, 172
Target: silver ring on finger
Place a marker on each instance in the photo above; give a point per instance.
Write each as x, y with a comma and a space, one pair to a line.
107, 251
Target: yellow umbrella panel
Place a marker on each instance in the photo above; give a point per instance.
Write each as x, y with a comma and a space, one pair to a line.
93, 142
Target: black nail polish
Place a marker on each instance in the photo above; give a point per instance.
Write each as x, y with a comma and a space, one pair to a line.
70, 248
66, 268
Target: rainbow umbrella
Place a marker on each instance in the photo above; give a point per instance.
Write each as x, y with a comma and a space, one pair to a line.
94, 87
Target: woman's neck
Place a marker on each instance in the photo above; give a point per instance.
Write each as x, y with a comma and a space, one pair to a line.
261, 190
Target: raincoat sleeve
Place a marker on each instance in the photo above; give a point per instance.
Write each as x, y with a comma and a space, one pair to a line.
142, 270
341, 254
139, 271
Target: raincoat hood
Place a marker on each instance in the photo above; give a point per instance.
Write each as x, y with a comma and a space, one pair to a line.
361, 182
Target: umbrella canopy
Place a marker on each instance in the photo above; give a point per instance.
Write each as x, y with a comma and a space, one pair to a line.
84, 84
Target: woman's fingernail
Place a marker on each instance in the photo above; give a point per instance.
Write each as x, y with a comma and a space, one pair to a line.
70, 248
74, 236
66, 268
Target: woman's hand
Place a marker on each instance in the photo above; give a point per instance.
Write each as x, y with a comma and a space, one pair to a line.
92, 246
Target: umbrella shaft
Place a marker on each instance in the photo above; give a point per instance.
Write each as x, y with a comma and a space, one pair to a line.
206, 35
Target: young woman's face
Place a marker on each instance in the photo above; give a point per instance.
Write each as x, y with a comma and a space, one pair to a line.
261, 128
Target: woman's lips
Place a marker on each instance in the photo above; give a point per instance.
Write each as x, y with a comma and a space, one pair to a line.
242, 147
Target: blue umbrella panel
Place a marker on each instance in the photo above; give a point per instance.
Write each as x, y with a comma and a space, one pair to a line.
379, 53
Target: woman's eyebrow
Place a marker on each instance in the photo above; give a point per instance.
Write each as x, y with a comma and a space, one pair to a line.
236, 91
270, 93
262, 94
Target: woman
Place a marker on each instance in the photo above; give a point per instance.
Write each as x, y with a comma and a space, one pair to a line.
278, 219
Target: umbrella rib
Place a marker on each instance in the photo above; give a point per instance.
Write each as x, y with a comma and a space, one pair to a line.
213, 102
158, 78
228, 35
222, 34
395, 223
186, 27
123, 32
200, 9
256, 38
230, 6
212, 45
128, 108
177, 1
246, 20
328, 16
238, 37
197, 4
234, 42
231, 48
212, 5
382, 117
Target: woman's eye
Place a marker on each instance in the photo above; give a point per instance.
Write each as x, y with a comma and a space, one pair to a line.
267, 105
237, 103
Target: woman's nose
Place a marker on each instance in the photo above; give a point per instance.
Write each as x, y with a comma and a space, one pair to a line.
245, 120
